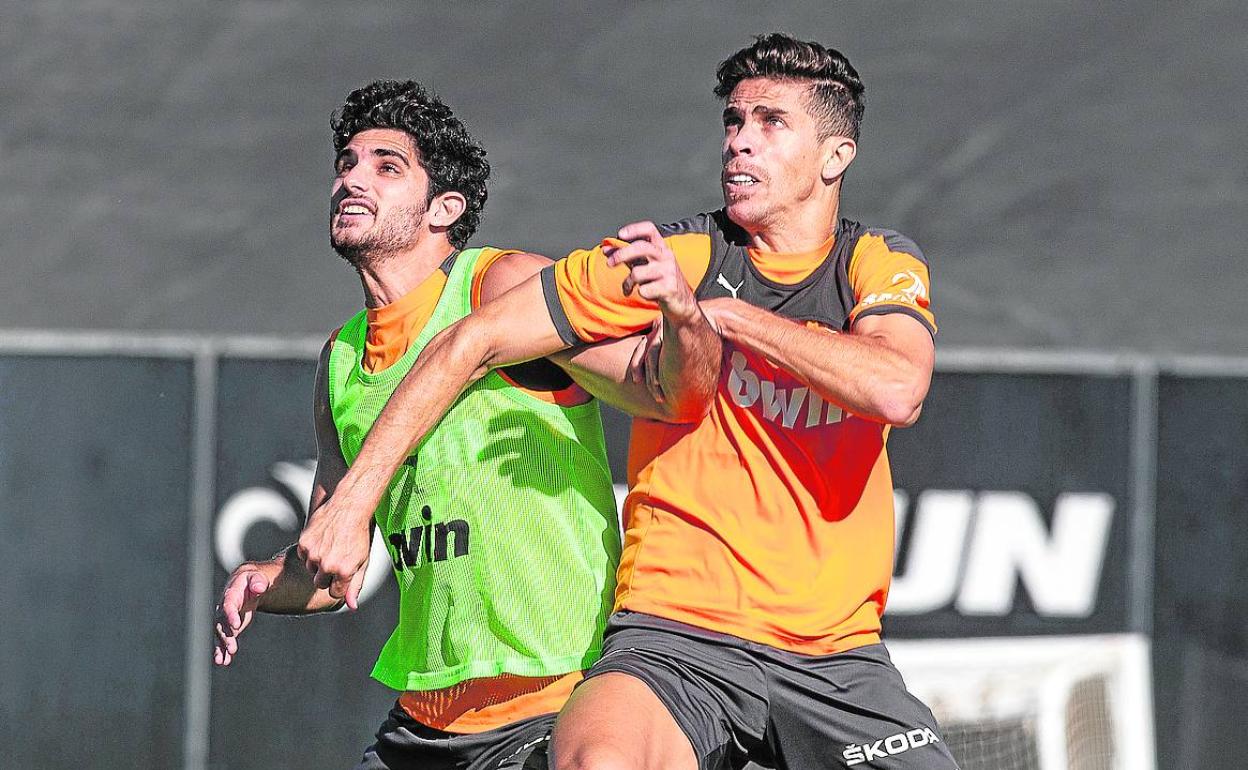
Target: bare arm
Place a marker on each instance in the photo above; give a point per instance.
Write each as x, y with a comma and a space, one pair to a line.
282, 585
511, 328
880, 370
516, 327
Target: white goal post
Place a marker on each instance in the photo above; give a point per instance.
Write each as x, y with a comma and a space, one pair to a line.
1037, 703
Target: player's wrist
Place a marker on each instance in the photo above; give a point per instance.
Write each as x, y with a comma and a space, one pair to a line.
682, 310
356, 498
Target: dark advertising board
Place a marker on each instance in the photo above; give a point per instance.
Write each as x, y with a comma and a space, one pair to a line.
95, 470
1013, 507
1015, 516
1200, 628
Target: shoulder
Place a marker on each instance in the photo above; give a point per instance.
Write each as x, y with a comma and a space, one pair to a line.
698, 223
499, 270
715, 225
881, 240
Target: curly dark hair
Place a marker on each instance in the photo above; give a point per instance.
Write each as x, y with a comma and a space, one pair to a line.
447, 152
836, 91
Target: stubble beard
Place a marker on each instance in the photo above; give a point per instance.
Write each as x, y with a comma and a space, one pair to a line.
398, 232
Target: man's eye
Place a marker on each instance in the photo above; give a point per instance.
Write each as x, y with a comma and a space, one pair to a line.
389, 168
775, 121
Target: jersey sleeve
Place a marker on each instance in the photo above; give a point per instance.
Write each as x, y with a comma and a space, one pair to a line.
888, 274
586, 298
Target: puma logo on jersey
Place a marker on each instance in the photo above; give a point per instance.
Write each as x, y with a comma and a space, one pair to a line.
722, 281
429, 542
856, 754
782, 405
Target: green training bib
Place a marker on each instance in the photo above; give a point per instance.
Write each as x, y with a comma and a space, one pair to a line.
501, 525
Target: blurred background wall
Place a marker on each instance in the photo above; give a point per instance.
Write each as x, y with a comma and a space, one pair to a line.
1077, 175
1075, 171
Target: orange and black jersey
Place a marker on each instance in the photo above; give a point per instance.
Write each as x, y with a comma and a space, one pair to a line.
772, 518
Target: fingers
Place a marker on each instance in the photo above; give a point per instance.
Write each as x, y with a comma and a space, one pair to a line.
232, 601
653, 351
637, 253
332, 577
637, 362
238, 602
641, 231
645, 274
343, 583
310, 555
353, 589
653, 270
224, 645
333, 561
224, 639
338, 586
219, 655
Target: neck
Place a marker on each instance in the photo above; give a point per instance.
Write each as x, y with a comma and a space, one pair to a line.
387, 278
804, 227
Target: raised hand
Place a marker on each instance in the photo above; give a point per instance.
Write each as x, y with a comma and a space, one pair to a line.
234, 613
653, 270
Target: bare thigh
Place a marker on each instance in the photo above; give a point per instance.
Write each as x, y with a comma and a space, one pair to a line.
615, 721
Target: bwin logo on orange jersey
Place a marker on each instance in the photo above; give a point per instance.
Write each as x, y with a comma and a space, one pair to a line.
782, 405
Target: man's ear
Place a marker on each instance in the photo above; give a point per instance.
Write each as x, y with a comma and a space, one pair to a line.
839, 152
446, 208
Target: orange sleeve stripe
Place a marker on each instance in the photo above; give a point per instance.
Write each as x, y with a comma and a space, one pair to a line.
590, 292
888, 281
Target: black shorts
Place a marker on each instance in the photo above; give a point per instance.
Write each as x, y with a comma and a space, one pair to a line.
405, 744
738, 701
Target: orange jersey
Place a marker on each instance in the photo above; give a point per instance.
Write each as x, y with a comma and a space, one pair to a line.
475, 705
772, 518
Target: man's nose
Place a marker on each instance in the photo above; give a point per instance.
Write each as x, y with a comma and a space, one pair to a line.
740, 143
356, 179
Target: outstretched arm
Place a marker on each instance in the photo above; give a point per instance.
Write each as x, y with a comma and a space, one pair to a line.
335, 544
282, 585
514, 327
881, 370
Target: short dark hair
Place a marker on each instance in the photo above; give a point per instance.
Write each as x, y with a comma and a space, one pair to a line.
447, 152
836, 91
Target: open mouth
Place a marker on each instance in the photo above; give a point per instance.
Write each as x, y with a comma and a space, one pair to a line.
739, 180
354, 210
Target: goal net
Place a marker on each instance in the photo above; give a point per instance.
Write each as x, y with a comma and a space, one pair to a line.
1037, 703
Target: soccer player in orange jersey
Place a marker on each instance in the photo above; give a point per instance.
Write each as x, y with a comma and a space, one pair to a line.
759, 540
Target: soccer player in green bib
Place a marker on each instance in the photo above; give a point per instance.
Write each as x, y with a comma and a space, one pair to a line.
501, 525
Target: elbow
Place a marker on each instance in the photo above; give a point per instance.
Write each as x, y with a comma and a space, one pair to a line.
902, 416
901, 405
